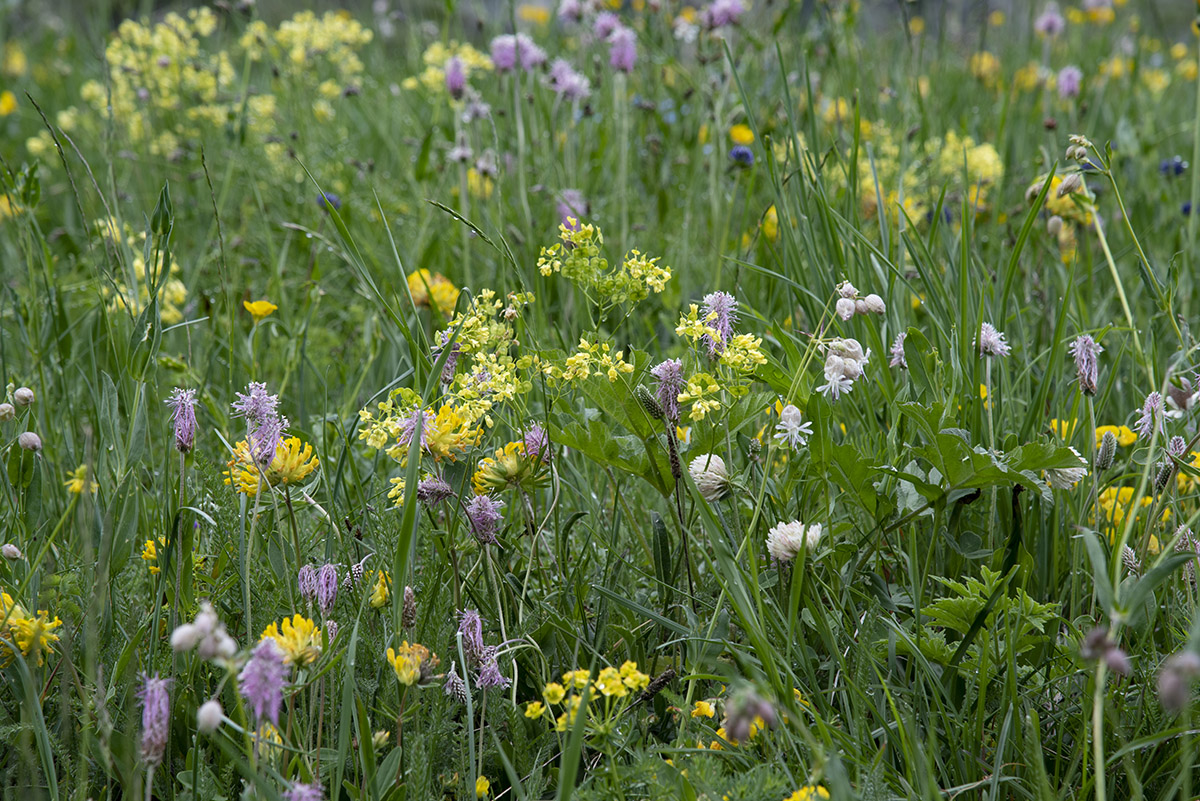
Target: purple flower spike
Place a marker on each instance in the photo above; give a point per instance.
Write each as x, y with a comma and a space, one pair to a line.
156, 718
262, 681
183, 411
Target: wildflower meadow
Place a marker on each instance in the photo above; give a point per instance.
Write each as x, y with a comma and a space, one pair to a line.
762, 400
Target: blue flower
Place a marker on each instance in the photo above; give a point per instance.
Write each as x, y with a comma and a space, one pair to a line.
325, 199
1173, 167
743, 155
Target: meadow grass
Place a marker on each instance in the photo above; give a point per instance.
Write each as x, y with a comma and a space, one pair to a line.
774, 402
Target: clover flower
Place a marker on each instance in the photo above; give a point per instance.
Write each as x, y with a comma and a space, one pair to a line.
786, 540
183, 413
1085, 350
261, 681
504, 53
711, 476
605, 24
484, 517
1050, 22
1151, 417
156, 718
991, 342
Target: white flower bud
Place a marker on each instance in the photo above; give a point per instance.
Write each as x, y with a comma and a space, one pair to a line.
186, 637
1054, 225
7, 412
875, 304
860, 306
209, 716
23, 396
845, 308
847, 290
10, 551
30, 441
1071, 184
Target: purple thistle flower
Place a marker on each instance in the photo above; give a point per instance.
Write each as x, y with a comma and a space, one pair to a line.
670, 383
504, 53
570, 10
537, 443
456, 77
262, 681
724, 306
264, 426
530, 54
1049, 22
470, 626
327, 587
490, 676
991, 342
1069, 82
307, 581
568, 83
455, 687
606, 22
409, 425
257, 404
1152, 414
433, 490
183, 412
622, 50
156, 718
1085, 350
898, 359
483, 513
304, 792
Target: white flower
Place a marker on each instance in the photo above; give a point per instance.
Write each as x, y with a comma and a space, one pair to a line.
875, 304
710, 475
186, 637
1064, 478
835, 385
991, 341
785, 540
847, 290
10, 551
209, 716
898, 359
845, 308
843, 366
791, 429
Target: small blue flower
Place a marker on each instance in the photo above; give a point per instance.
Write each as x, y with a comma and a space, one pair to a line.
743, 155
1186, 208
1173, 167
330, 199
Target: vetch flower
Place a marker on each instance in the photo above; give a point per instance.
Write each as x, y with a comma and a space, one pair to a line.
703, 709
991, 342
711, 476
786, 540
183, 413
1085, 350
792, 429
412, 663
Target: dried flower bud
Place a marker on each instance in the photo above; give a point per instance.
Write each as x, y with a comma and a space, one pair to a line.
408, 613
23, 396
10, 551
30, 441
1108, 451
1165, 469
7, 412
649, 402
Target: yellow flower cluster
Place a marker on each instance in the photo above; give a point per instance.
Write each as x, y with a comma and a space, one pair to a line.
591, 357
611, 683
1115, 504
489, 375
79, 481
433, 78
412, 663
701, 392
172, 293
294, 461
433, 290
809, 793
298, 638
381, 591
307, 42
577, 257
32, 635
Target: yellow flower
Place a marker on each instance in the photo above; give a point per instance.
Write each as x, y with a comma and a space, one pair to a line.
32, 635
8, 103
770, 224
808, 793
433, 290
536, 14
996, 18
259, 309
78, 481
410, 662
609, 683
479, 185
916, 26
577, 678
150, 553
534, 710
741, 134
14, 63
985, 66
298, 638
703, 709
1124, 434
1062, 429
634, 679
293, 462
379, 595
482, 785
509, 468
553, 693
